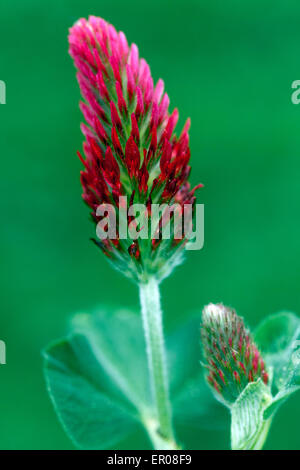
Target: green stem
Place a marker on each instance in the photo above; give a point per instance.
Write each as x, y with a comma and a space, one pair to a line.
152, 322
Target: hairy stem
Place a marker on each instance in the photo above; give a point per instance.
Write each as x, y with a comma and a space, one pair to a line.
152, 322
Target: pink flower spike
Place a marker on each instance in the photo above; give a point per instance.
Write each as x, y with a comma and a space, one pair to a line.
123, 46
82, 159
144, 74
114, 65
111, 169
100, 130
116, 143
100, 66
86, 131
87, 113
115, 118
148, 92
153, 144
134, 129
143, 178
102, 87
163, 109
130, 82
134, 60
139, 103
173, 119
158, 92
186, 127
154, 115
121, 102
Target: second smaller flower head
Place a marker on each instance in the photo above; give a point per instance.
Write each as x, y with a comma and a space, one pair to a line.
231, 356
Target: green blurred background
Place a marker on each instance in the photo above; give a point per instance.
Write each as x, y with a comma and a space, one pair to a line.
227, 65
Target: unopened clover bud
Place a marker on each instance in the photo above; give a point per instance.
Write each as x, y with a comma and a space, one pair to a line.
232, 359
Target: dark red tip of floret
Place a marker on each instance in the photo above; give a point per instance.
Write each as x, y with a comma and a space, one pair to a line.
111, 169
134, 251
115, 118
134, 129
132, 157
116, 143
265, 377
121, 102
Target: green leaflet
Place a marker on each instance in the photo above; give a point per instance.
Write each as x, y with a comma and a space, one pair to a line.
248, 427
98, 397
90, 415
279, 339
98, 382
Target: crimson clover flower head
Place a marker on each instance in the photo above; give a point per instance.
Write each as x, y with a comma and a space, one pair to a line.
232, 359
130, 146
